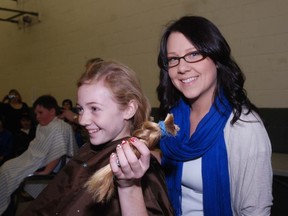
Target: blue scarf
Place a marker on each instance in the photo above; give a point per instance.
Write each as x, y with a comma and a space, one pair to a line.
206, 142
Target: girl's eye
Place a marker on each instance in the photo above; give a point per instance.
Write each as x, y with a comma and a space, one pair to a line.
94, 109
79, 110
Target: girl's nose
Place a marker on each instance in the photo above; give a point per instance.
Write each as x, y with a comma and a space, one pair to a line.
84, 119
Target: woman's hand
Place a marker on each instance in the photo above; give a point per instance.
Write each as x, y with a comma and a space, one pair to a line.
126, 167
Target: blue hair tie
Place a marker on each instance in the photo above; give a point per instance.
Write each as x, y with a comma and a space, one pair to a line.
163, 128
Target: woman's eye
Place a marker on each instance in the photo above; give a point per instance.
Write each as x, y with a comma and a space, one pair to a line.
193, 54
172, 59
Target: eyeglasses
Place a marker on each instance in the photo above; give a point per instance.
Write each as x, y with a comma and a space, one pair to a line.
191, 57
11, 96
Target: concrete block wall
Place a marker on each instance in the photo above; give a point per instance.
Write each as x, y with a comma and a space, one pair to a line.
48, 57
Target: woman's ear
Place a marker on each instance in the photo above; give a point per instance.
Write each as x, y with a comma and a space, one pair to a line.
130, 109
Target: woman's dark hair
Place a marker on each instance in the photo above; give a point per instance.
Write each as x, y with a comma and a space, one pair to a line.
14, 92
48, 102
207, 39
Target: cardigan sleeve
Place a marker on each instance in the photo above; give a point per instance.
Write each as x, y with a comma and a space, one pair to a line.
250, 169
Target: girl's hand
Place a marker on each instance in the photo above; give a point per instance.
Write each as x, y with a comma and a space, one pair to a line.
126, 167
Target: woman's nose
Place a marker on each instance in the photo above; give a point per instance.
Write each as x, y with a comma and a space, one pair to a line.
183, 66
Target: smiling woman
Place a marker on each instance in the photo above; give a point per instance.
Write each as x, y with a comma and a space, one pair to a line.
222, 138
192, 78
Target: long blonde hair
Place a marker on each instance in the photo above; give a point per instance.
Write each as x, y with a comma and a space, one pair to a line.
101, 184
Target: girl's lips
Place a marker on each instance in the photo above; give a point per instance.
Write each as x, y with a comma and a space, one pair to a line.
91, 131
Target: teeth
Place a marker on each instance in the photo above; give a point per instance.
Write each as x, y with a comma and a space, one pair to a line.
189, 79
93, 131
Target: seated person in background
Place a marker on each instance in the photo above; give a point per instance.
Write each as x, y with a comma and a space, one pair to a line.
6, 144
67, 108
13, 110
54, 138
67, 104
24, 136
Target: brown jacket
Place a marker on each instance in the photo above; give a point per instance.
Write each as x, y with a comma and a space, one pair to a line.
66, 196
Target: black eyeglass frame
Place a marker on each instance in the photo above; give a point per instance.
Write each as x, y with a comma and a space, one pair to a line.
184, 57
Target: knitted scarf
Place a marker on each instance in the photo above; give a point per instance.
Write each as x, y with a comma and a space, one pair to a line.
206, 142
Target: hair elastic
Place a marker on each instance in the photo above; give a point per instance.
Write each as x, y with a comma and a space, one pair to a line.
163, 128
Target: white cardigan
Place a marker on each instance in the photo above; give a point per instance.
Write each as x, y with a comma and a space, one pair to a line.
250, 169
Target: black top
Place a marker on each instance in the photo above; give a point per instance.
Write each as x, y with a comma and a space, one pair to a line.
12, 116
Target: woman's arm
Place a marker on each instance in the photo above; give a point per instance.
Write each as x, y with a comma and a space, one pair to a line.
250, 170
